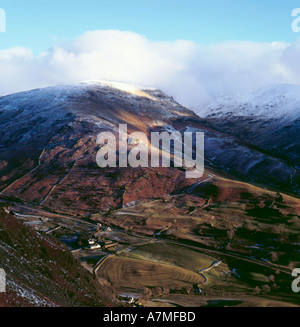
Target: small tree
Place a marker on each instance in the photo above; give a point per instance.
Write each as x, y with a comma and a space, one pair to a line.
266, 289
274, 256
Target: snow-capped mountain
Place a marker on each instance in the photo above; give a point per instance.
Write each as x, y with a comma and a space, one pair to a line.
49, 177
272, 102
48, 143
64, 98
48, 146
268, 119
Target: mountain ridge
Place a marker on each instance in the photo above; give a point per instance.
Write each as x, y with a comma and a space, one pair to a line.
48, 145
278, 101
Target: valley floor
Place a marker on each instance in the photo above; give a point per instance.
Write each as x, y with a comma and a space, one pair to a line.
222, 243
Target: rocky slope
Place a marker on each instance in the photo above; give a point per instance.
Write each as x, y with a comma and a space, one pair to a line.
49, 144
48, 147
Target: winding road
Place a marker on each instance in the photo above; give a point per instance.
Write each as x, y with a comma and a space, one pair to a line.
202, 271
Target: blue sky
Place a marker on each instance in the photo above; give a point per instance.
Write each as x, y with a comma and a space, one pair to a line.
233, 48
39, 24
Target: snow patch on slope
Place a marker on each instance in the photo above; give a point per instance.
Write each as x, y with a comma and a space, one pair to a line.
130, 88
60, 93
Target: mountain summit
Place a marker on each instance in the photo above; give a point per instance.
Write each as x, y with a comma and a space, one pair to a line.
267, 119
273, 102
48, 142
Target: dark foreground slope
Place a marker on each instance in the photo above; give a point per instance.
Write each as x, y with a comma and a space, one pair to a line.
42, 272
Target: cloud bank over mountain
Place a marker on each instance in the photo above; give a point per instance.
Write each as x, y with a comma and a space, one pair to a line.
192, 73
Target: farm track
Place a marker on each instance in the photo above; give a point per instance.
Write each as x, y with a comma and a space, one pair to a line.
204, 270
27, 174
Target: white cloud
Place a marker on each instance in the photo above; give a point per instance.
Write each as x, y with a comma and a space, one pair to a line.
191, 72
